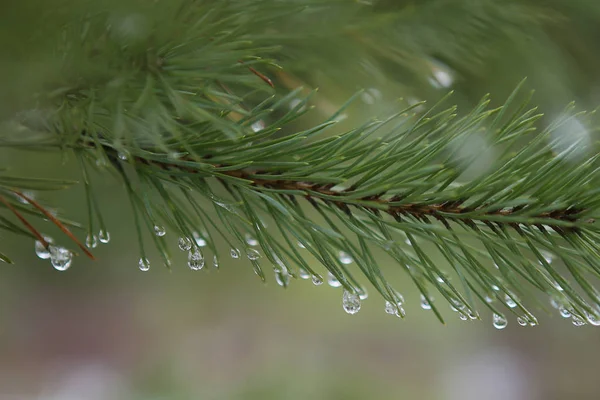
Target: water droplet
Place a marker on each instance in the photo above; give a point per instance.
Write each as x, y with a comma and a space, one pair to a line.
548, 257
462, 316
258, 125
91, 241
40, 250
282, 278
317, 280
350, 302
564, 312
495, 288
185, 244
104, 236
424, 303
199, 239
489, 299
303, 274
577, 320
144, 264
332, 280
500, 321
370, 96
509, 301
456, 304
195, 259
159, 230
27, 193
363, 294
252, 254
295, 103
592, 319
234, 253
399, 298
555, 303
389, 308
522, 321
101, 162
60, 258
301, 245
400, 312
250, 240
123, 156
344, 258
439, 279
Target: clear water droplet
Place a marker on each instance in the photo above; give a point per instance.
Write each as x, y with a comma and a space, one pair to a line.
101, 162
456, 304
144, 264
462, 316
499, 321
301, 245
400, 312
282, 278
250, 240
332, 280
389, 308
184, 243
234, 253
215, 262
555, 303
345, 258
123, 156
199, 239
40, 250
317, 280
159, 230
564, 312
577, 320
362, 293
509, 301
27, 193
303, 274
258, 126
91, 241
60, 258
399, 298
495, 288
548, 257
104, 236
252, 254
592, 319
424, 303
350, 302
195, 259
489, 299
439, 279
522, 321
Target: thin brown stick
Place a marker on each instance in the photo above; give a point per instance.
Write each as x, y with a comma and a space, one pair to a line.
30, 227
55, 221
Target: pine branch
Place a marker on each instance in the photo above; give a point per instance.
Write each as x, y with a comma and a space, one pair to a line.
183, 105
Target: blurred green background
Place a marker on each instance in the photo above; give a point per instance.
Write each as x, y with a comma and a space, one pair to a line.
105, 330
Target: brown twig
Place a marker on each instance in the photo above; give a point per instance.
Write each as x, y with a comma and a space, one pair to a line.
55, 221
441, 211
262, 76
30, 227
